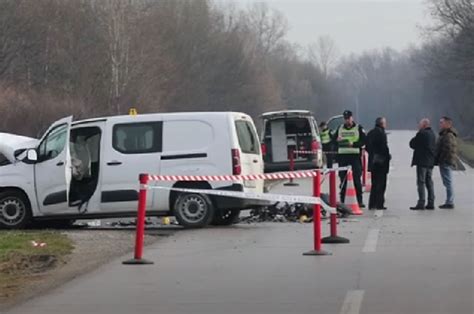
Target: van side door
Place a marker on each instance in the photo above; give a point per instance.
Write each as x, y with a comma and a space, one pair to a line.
131, 147
52, 170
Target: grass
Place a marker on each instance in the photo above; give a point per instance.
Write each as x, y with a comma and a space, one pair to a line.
21, 243
466, 149
21, 263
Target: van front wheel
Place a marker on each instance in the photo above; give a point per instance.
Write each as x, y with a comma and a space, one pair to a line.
15, 211
193, 210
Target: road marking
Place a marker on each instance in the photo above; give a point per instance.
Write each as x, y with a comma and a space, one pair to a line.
378, 213
353, 302
371, 241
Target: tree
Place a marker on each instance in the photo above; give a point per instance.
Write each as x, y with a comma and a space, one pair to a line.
323, 53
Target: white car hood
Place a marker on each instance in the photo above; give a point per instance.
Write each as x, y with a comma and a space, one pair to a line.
9, 143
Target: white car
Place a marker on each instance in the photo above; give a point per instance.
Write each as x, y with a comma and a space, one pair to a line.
89, 169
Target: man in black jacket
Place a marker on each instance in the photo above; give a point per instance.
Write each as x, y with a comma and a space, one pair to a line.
424, 146
379, 163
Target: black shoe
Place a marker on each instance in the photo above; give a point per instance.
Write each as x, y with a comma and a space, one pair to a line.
430, 207
362, 205
382, 208
447, 206
418, 207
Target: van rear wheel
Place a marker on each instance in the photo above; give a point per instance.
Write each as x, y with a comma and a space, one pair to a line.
15, 212
225, 217
193, 210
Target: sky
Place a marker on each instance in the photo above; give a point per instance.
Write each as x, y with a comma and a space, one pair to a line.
354, 25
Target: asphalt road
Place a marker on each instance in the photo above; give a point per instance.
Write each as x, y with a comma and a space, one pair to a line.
398, 261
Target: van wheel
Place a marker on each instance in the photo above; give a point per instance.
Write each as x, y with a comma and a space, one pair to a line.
225, 217
193, 210
15, 212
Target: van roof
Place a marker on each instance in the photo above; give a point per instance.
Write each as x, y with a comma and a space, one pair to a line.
286, 113
167, 114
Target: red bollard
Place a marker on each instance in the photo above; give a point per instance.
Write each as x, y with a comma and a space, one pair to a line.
317, 218
138, 258
292, 168
333, 238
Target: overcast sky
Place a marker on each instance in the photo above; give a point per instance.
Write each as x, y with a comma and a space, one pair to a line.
355, 25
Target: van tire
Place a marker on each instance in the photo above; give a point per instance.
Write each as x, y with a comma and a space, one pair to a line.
225, 217
193, 210
15, 210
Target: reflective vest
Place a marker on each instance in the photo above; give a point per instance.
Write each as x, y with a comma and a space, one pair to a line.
351, 135
325, 136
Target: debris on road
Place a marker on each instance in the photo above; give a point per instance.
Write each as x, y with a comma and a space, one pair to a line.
298, 212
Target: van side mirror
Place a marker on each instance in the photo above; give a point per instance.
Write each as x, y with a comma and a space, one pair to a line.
32, 156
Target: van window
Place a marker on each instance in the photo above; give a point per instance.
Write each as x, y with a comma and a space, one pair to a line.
53, 144
247, 139
138, 138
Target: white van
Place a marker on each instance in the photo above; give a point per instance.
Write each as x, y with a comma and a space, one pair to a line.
286, 131
96, 175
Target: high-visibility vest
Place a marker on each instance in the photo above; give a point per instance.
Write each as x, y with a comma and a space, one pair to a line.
351, 135
325, 136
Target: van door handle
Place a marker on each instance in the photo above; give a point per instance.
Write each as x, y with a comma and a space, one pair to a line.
114, 163
255, 161
59, 164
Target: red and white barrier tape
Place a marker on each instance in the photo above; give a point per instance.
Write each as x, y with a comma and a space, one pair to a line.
248, 177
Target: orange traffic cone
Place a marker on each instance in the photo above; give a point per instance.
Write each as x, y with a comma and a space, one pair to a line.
351, 195
368, 183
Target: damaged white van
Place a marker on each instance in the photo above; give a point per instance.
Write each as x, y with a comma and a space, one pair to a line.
89, 169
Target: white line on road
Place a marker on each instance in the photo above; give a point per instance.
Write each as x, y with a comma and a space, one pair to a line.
353, 302
378, 214
371, 241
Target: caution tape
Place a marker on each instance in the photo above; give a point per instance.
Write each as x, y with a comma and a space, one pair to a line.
252, 196
249, 177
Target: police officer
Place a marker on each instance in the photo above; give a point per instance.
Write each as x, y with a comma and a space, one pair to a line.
350, 138
327, 141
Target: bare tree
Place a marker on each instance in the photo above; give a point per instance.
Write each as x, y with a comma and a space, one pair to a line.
323, 53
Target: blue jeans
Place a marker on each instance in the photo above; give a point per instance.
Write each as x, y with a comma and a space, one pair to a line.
447, 177
424, 181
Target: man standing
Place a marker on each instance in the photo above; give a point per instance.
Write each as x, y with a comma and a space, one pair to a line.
446, 158
424, 146
350, 138
379, 163
326, 140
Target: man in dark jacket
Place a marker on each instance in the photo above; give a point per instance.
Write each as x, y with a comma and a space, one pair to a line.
424, 146
350, 138
379, 163
446, 158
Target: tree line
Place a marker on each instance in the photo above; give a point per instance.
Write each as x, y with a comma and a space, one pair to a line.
92, 58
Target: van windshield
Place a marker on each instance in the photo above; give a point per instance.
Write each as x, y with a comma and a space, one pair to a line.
247, 138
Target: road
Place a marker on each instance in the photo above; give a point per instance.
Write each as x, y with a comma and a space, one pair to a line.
398, 261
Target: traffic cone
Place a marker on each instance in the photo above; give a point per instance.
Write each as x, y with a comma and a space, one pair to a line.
351, 195
368, 183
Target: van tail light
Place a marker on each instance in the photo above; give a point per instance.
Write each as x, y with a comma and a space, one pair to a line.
315, 145
264, 149
236, 165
